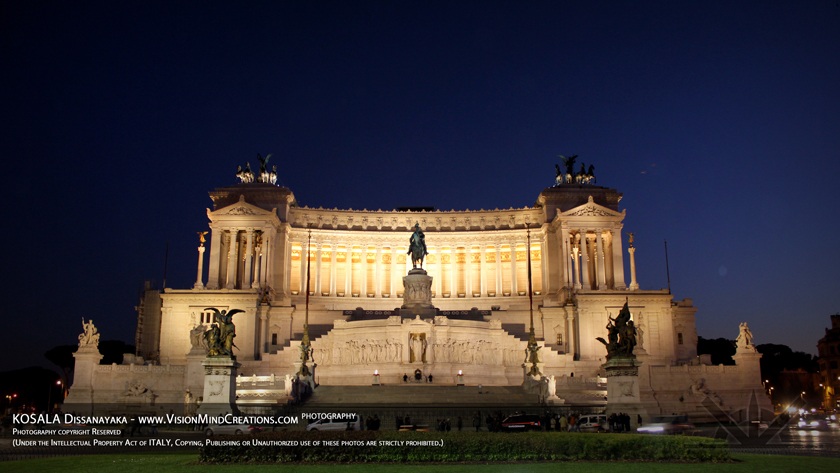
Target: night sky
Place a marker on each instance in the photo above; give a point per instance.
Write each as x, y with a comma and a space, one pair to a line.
719, 121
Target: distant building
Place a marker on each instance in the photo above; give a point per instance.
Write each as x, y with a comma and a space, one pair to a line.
828, 349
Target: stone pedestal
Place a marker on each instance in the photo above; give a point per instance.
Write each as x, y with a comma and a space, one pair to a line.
219, 386
417, 294
194, 378
623, 388
80, 398
748, 360
305, 376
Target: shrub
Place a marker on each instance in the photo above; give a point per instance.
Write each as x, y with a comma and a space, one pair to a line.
291, 447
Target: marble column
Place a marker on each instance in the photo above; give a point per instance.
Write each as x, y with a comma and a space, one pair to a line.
599, 259
230, 281
499, 280
467, 271
249, 254
438, 279
585, 280
572, 339
216, 237
618, 259
304, 257
348, 271
483, 271
363, 285
576, 264
565, 257
258, 267
333, 268
392, 288
264, 331
633, 284
377, 276
513, 285
453, 272
198, 282
317, 285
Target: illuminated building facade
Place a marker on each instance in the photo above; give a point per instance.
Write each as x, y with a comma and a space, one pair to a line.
263, 245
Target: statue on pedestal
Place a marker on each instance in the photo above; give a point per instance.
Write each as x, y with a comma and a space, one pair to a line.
621, 334
744, 342
417, 247
220, 336
90, 336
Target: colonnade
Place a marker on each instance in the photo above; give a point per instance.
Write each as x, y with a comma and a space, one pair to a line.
592, 258
481, 268
344, 265
238, 258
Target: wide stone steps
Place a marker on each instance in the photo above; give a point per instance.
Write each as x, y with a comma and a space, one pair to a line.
416, 394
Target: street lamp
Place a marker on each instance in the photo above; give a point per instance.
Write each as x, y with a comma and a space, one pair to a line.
9, 400
49, 395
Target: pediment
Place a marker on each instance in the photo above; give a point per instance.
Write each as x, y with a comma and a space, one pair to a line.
592, 209
240, 209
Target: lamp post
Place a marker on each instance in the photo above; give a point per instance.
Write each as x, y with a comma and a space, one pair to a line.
823, 395
305, 345
9, 400
49, 395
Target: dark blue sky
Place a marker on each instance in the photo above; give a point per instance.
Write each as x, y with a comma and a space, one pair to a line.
719, 121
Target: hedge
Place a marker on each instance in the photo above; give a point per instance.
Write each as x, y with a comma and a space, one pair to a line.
459, 447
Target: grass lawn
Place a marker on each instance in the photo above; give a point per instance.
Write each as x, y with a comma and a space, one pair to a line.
170, 463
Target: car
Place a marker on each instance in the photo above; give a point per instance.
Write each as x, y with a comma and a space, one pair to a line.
816, 422
671, 425
230, 429
521, 423
336, 424
593, 423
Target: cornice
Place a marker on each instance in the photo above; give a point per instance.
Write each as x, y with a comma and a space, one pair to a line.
435, 221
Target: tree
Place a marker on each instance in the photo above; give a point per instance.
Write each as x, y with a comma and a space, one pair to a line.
721, 350
113, 350
788, 372
62, 356
33, 389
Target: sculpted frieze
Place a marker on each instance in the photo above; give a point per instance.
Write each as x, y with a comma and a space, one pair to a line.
440, 340
240, 211
591, 211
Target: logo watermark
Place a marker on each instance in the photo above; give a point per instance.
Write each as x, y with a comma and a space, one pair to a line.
752, 426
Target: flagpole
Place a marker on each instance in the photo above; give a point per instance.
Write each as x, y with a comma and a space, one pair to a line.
533, 356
